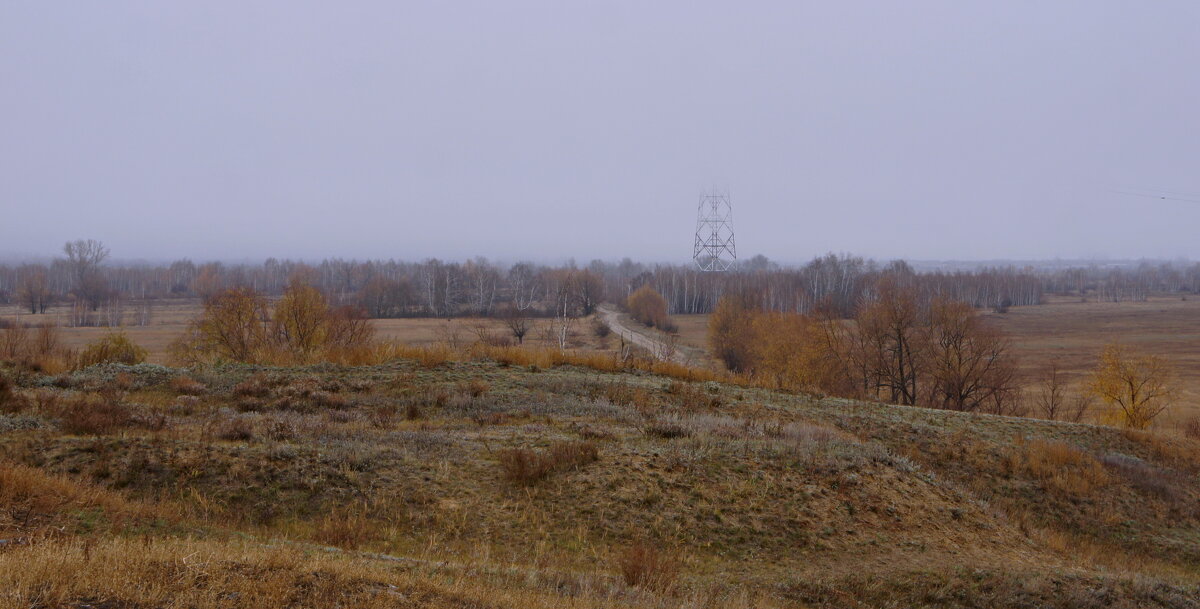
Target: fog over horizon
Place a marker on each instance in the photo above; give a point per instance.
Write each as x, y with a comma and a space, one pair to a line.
587, 130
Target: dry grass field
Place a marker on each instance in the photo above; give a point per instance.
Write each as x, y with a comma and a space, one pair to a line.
1071, 334
170, 318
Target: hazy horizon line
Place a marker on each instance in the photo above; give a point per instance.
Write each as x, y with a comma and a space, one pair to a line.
119, 262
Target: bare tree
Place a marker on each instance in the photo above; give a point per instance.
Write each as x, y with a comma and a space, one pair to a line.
563, 330
34, 289
589, 290
1051, 397
526, 285
517, 322
968, 362
483, 279
891, 333
1052, 401
84, 257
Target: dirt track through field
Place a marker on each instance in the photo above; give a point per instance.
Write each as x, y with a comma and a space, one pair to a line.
648, 342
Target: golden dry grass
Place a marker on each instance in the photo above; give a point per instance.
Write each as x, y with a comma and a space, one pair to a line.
1060, 467
147, 572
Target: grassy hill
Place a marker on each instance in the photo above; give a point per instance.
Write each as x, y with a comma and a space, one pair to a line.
476, 484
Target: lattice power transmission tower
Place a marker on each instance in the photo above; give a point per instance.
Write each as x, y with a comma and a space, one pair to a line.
714, 250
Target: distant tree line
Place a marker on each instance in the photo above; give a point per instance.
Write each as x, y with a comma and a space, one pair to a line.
100, 293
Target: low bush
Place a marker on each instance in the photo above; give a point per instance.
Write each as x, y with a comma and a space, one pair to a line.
253, 387
186, 385
523, 466
93, 415
600, 328
667, 428
235, 429
475, 387
9, 400
645, 565
114, 347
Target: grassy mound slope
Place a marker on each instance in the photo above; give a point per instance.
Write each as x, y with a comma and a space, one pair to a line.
479, 484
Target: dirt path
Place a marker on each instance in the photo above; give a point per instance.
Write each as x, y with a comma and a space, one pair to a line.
649, 342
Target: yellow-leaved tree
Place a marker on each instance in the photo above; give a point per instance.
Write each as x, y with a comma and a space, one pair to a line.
1136, 387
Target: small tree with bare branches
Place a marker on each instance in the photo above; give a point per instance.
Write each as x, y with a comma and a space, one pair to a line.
34, 289
1052, 402
517, 322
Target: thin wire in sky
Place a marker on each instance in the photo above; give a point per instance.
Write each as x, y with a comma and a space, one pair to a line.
1162, 195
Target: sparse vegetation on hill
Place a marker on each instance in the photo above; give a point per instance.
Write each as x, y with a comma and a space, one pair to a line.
554, 483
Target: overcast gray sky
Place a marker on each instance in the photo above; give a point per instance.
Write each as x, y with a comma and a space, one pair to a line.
927, 130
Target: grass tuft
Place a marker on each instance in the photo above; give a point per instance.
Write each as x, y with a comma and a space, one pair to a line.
526, 466
644, 565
